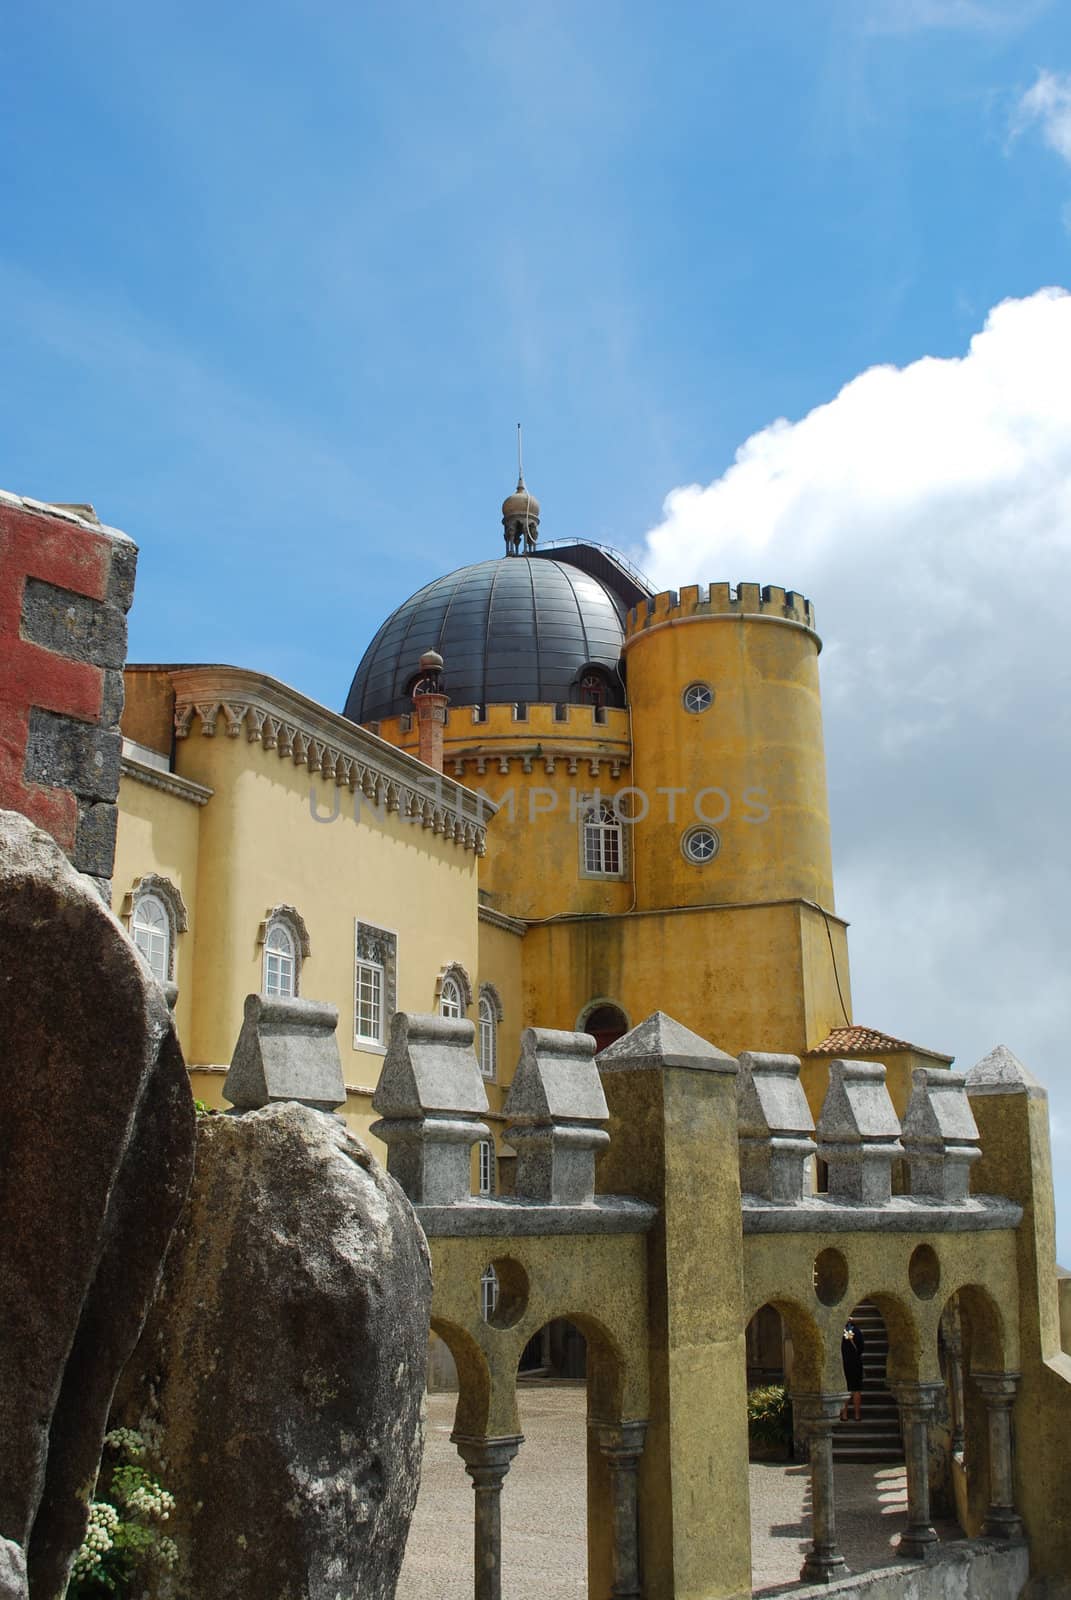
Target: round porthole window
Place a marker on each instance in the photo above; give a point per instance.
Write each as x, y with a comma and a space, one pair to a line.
698, 697
700, 844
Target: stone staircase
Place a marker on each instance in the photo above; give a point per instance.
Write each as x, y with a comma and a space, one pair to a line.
877, 1438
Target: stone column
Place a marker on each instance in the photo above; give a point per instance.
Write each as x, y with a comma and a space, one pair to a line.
622, 1445
919, 1539
954, 1349
999, 1390
487, 1461
816, 1416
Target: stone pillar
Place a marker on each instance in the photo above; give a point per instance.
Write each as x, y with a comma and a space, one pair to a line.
672, 1103
919, 1539
487, 1461
816, 1416
999, 1390
954, 1347
622, 1445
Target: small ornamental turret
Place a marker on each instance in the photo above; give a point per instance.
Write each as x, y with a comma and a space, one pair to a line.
430, 704
520, 513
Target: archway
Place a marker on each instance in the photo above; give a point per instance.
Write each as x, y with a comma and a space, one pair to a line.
970, 1340
605, 1021
783, 1354
445, 1498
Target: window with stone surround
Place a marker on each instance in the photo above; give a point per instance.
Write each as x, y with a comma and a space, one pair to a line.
156, 915
375, 984
285, 939
490, 1016
602, 841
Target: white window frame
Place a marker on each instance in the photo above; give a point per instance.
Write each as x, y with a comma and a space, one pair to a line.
488, 1037
385, 982
485, 1149
451, 1000
158, 942
278, 962
605, 833
375, 976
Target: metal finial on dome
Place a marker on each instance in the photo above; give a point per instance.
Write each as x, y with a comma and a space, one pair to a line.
520, 512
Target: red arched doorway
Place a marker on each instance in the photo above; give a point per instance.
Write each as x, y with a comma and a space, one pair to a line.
605, 1023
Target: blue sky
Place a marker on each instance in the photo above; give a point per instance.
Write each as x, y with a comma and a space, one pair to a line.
279, 280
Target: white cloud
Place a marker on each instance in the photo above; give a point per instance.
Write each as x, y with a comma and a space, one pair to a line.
927, 512
1048, 104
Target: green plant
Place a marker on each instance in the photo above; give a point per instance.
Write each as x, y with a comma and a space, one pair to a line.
769, 1414
124, 1540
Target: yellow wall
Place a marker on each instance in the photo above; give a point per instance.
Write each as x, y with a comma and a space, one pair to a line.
261, 847
533, 864
159, 833
759, 748
734, 974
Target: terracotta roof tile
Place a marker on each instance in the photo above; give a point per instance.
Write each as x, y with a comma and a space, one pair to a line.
857, 1040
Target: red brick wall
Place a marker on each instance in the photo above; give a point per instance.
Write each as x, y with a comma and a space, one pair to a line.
65, 587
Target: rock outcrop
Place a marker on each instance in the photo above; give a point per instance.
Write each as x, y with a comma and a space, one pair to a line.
282, 1367
96, 1156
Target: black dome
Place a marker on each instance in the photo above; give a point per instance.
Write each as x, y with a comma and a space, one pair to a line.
518, 628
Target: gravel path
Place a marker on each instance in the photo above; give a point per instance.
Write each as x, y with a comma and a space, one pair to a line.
543, 1533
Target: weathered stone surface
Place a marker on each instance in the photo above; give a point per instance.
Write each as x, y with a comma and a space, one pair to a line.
430, 1097
286, 1050
1001, 1072
96, 1151
284, 1362
556, 1109
12, 1572
660, 1039
859, 1133
940, 1135
774, 1126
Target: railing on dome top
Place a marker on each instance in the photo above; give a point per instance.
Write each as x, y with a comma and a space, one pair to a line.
608, 550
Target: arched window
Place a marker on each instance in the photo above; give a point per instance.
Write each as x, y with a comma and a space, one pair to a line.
450, 999
150, 927
488, 1036
602, 841
453, 990
280, 961
593, 687
286, 944
156, 915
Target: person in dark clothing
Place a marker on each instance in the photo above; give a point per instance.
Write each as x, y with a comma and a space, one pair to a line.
852, 1345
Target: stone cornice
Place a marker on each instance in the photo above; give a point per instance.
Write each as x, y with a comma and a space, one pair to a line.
169, 782
499, 919
230, 700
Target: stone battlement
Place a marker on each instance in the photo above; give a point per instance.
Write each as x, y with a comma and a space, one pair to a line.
696, 601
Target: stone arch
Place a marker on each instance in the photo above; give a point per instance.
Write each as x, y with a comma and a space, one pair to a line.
605, 1027
986, 1344
294, 921
473, 1377
808, 1343
902, 1327
606, 1361
489, 993
454, 972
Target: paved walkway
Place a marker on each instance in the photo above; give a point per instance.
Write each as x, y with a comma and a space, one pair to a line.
544, 1544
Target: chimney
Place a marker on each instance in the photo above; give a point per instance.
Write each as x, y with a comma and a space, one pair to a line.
430, 704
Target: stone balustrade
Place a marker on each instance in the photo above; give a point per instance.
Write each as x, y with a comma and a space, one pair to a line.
859, 1133
774, 1126
940, 1135
430, 1101
286, 1050
555, 1113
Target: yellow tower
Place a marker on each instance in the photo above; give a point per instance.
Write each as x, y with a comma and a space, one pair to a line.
728, 763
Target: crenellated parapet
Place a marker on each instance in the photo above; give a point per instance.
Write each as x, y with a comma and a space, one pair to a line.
715, 601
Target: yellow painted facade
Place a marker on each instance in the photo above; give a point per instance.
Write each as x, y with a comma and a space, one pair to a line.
246, 797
